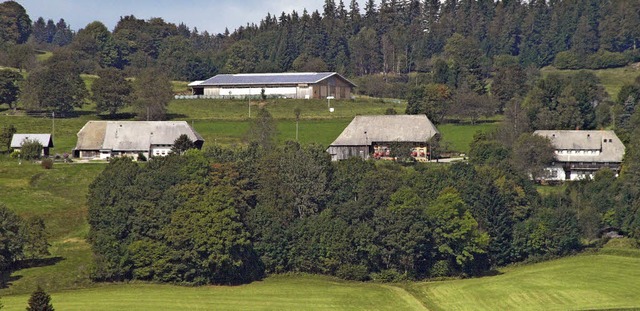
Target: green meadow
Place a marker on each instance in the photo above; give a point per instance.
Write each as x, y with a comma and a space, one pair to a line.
584, 282
573, 283
225, 122
612, 79
596, 281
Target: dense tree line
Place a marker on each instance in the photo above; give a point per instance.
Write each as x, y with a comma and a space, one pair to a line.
228, 216
393, 37
449, 59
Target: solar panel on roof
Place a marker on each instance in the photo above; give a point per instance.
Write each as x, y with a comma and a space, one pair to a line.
268, 78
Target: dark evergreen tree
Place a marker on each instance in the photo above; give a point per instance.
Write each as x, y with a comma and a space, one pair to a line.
40, 301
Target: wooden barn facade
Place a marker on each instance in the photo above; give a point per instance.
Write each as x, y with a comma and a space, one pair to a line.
302, 85
374, 136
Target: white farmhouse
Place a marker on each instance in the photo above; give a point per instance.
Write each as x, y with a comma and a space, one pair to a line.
579, 154
106, 139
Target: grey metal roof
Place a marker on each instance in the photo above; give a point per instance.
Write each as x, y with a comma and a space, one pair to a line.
269, 79
363, 130
44, 139
132, 135
609, 147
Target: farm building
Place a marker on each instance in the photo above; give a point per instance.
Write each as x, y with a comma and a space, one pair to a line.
106, 139
579, 154
44, 139
302, 85
374, 136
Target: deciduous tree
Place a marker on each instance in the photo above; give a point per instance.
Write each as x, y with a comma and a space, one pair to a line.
531, 154
6, 135
9, 88
152, 92
11, 239
111, 91
57, 87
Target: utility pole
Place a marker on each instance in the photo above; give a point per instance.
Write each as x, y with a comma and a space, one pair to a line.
297, 112
53, 124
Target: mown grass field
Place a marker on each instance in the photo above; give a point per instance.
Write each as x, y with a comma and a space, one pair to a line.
275, 293
573, 283
584, 282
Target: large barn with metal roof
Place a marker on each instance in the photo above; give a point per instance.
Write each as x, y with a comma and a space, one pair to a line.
304, 85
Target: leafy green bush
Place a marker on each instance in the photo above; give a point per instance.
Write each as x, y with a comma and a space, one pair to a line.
141, 157
568, 60
15, 154
47, 163
388, 276
31, 149
440, 269
605, 59
353, 272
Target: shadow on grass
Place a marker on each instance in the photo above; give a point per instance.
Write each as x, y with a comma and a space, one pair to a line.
468, 122
492, 272
40, 262
6, 279
173, 116
117, 116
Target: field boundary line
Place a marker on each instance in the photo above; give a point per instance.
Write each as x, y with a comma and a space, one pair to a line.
414, 302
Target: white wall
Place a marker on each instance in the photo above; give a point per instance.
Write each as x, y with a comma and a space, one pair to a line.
157, 151
269, 91
555, 173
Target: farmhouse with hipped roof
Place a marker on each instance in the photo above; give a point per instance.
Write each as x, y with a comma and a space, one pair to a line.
303, 85
44, 139
373, 136
579, 154
106, 139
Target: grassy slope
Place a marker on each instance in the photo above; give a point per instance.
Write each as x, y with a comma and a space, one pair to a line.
459, 136
597, 281
59, 196
580, 282
612, 79
274, 293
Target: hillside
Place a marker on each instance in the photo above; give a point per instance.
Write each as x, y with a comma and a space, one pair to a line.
579, 282
611, 79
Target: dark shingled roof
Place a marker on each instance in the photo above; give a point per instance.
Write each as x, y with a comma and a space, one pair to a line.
269, 79
363, 130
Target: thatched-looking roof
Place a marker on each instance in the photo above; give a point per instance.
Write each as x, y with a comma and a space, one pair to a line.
132, 135
44, 139
608, 146
364, 130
